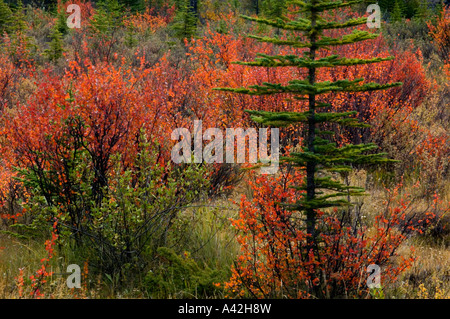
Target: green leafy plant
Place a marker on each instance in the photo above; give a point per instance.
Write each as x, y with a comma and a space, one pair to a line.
181, 277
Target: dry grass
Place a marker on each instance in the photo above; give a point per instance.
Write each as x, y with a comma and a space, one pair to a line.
26, 255
428, 278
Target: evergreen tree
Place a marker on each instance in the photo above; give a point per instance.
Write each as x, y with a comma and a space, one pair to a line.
385, 5
439, 7
130, 40
186, 19
408, 7
255, 4
108, 17
61, 22
47, 4
397, 12
18, 18
274, 9
134, 5
193, 6
55, 50
5, 17
423, 12
251, 6
320, 157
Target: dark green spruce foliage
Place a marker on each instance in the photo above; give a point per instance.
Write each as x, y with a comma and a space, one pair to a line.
108, 17
61, 22
408, 8
274, 9
423, 12
397, 12
134, 5
186, 19
5, 17
55, 50
320, 158
12, 18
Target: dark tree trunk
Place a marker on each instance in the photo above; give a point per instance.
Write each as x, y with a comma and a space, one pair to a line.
256, 6
311, 216
311, 166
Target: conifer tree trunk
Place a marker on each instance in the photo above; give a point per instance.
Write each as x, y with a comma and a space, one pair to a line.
311, 166
256, 6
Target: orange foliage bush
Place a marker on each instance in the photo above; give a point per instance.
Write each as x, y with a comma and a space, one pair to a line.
274, 260
7, 75
212, 60
98, 107
441, 33
147, 20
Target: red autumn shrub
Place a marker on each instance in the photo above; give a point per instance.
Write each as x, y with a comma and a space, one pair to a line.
274, 261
